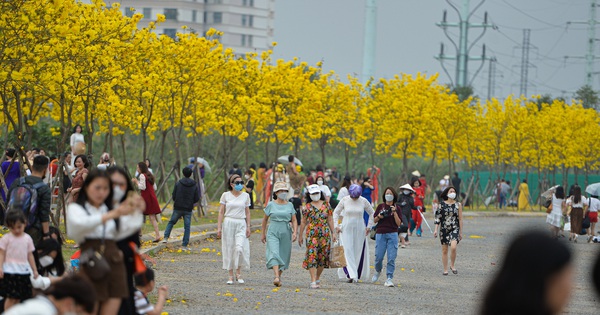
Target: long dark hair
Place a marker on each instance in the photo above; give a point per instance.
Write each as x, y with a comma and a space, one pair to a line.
93, 174
520, 285
144, 170
346, 182
559, 193
84, 159
576, 194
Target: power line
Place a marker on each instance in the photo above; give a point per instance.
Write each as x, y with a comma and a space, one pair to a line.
529, 15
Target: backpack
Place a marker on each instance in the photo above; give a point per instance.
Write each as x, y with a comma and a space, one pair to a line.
25, 196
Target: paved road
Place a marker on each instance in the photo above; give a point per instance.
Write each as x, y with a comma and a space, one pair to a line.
198, 286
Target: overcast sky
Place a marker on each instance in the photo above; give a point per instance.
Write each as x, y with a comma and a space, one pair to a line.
408, 40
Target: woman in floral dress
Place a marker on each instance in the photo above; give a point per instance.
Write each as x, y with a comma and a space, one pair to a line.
317, 218
448, 218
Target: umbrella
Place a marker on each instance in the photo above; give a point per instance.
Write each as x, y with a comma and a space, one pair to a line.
202, 161
425, 220
593, 189
284, 160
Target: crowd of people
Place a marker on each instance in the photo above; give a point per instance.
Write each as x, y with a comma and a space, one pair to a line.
320, 210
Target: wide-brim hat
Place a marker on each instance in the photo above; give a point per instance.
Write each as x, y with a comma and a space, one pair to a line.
416, 173
407, 187
313, 189
446, 177
280, 186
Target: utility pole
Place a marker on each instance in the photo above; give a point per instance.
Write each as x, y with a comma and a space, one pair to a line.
463, 48
590, 56
491, 78
525, 61
369, 41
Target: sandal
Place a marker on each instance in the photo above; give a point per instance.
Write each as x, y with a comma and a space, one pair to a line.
313, 285
277, 282
445, 273
454, 271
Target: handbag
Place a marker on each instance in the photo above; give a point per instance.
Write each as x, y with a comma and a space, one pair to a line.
95, 263
549, 209
337, 258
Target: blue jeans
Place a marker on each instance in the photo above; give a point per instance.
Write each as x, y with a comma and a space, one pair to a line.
386, 242
187, 220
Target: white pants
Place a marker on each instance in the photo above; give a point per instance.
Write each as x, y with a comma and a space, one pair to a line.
235, 247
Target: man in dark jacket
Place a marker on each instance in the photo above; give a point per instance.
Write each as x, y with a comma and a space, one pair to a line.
185, 195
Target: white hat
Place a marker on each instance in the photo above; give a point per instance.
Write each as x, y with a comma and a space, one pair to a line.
313, 189
407, 187
416, 173
446, 177
280, 186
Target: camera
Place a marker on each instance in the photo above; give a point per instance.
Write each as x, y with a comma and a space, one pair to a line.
386, 212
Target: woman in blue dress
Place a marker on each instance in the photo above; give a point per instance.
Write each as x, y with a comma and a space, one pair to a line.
280, 235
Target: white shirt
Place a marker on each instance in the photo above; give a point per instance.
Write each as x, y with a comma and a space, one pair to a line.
594, 204
343, 193
39, 305
557, 205
235, 207
350, 207
81, 225
75, 138
325, 190
583, 201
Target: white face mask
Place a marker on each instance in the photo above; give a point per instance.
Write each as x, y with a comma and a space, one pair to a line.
452, 195
389, 197
319, 182
315, 197
118, 194
247, 176
282, 195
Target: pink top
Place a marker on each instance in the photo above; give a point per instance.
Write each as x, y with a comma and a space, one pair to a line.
17, 249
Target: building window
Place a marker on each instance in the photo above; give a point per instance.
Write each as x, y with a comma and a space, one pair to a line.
129, 11
194, 14
246, 40
247, 20
171, 32
217, 17
248, 3
147, 13
171, 14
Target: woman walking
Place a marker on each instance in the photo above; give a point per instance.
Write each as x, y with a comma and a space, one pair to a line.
554, 218
418, 200
81, 173
146, 185
523, 201
317, 218
234, 228
96, 226
324, 188
579, 205
448, 219
354, 233
280, 235
344, 188
407, 205
387, 218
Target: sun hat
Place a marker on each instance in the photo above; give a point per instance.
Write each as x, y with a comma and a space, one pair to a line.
280, 186
355, 191
416, 173
446, 177
313, 189
407, 187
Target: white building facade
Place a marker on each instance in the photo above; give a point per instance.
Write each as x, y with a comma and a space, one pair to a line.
247, 25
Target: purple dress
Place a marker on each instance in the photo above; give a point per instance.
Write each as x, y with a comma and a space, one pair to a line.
10, 176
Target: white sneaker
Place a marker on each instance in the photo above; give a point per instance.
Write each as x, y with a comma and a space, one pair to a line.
388, 283
165, 240
375, 277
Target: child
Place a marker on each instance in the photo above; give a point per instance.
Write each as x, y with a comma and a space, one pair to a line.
16, 260
185, 195
144, 284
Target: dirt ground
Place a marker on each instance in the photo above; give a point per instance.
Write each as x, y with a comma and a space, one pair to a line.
197, 282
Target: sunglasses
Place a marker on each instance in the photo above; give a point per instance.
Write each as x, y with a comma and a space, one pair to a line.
237, 182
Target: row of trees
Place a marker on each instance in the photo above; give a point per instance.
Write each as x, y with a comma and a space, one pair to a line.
89, 64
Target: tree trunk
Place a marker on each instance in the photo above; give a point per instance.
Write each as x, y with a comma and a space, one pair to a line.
124, 153
347, 158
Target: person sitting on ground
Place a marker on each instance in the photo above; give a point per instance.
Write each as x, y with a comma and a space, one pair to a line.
144, 284
185, 195
70, 295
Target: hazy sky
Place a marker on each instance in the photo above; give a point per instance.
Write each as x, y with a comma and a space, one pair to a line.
408, 40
